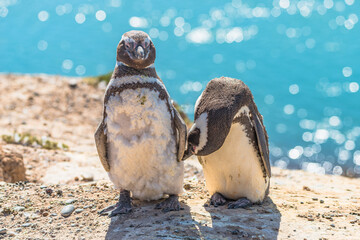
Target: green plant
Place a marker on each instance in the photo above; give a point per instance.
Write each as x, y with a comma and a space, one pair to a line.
27, 139
94, 81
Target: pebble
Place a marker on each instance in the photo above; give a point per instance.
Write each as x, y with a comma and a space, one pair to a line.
11, 234
67, 210
53, 214
321, 201
18, 229
26, 225
43, 186
88, 177
70, 201
73, 83
314, 199
49, 191
34, 216
187, 186
79, 210
19, 208
2, 230
332, 225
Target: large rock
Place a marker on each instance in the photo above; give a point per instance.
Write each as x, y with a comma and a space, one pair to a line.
11, 166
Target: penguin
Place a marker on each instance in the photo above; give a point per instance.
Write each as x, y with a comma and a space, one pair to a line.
141, 138
230, 140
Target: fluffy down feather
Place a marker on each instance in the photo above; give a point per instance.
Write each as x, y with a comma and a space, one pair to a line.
141, 143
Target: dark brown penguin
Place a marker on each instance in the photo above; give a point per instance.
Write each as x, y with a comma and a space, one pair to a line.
231, 143
141, 138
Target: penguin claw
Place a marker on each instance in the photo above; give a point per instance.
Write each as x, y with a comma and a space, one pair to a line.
241, 203
107, 209
120, 210
217, 200
169, 204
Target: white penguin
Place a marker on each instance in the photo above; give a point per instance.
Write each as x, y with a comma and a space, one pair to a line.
231, 143
141, 138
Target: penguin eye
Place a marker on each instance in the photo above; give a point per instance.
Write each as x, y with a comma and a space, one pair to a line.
146, 44
129, 45
194, 137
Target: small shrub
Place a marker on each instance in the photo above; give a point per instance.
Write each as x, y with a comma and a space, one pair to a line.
26, 139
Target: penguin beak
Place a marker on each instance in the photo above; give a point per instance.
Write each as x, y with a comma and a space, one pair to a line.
140, 53
189, 152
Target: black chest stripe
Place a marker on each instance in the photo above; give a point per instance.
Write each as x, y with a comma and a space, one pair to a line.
152, 86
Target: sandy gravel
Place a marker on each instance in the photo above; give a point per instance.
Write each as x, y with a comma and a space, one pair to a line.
300, 206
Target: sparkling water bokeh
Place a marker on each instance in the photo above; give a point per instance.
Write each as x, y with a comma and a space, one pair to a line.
301, 59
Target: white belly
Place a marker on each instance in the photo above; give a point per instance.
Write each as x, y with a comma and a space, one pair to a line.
234, 170
141, 145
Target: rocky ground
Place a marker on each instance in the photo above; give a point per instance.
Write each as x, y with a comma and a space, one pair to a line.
67, 188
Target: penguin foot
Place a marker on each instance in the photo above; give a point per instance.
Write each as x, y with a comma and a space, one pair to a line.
170, 204
123, 206
108, 209
120, 210
217, 200
240, 203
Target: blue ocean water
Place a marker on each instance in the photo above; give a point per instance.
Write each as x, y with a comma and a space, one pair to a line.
301, 59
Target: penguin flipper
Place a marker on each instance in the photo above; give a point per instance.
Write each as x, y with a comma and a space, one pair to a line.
182, 131
100, 140
262, 143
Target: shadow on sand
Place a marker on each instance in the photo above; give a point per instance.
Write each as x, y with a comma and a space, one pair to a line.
197, 222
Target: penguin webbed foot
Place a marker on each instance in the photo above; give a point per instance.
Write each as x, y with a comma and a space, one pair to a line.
240, 203
123, 206
121, 209
108, 209
170, 204
217, 200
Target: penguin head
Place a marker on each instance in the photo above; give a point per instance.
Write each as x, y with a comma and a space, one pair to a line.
201, 141
193, 143
136, 50
207, 134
